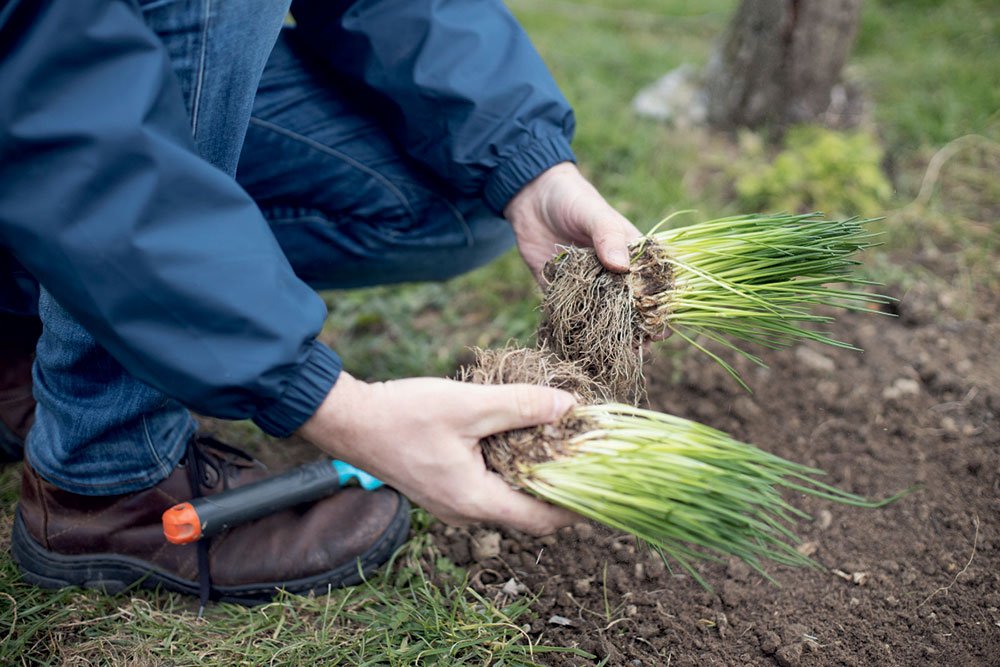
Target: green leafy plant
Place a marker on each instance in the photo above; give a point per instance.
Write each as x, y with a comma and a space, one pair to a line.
817, 168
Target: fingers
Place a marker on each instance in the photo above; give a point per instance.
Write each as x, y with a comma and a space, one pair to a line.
523, 512
504, 407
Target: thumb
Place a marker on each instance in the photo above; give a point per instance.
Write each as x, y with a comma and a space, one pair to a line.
611, 234
505, 407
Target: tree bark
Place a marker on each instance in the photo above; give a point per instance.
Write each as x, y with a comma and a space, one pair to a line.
778, 62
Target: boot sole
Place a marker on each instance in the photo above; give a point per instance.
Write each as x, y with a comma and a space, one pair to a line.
114, 573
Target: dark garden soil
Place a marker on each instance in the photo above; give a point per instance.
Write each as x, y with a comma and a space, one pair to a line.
914, 583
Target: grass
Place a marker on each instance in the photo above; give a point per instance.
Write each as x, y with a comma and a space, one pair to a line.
419, 610
931, 69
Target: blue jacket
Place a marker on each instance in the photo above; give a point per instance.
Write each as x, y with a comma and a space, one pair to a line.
165, 259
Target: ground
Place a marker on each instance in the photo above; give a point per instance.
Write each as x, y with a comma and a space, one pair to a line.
916, 582
913, 583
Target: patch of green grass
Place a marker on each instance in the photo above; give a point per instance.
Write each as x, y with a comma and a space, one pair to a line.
931, 70
426, 328
602, 54
418, 610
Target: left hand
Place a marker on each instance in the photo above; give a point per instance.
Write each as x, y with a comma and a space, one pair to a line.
560, 207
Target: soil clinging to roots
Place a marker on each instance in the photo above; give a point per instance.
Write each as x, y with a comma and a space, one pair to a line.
601, 319
511, 453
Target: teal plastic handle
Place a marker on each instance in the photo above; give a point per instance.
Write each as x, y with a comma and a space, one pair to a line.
347, 473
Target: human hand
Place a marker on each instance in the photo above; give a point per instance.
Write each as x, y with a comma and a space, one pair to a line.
560, 207
421, 436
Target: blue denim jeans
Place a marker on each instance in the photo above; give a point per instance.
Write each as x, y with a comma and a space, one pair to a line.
346, 206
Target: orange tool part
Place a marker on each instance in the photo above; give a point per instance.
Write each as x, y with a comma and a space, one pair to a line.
210, 515
181, 524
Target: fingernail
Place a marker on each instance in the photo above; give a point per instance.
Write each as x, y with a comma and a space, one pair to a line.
564, 402
618, 258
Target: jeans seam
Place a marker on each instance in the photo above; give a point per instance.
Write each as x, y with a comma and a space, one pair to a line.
150, 445
295, 136
200, 79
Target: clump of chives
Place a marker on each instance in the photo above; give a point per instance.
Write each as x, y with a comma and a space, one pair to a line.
688, 490
743, 279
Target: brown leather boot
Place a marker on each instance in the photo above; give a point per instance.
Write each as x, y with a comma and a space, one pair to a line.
63, 539
18, 336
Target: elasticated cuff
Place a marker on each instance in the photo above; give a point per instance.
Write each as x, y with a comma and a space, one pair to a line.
507, 180
307, 389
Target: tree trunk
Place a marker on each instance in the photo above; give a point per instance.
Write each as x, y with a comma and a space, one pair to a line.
779, 61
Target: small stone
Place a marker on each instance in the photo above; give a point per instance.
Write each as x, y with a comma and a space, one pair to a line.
810, 358
745, 407
674, 97
584, 531
485, 544
640, 571
560, 620
631, 610
900, 388
807, 548
722, 624
824, 518
827, 390
581, 586
514, 588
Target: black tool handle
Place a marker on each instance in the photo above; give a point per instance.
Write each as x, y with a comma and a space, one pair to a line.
230, 508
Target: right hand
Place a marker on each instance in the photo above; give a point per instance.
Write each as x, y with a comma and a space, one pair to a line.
421, 436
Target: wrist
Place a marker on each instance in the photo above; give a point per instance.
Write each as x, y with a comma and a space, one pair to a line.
335, 424
529, 200
526, 164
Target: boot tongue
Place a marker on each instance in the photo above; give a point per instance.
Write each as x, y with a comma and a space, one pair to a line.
222, 462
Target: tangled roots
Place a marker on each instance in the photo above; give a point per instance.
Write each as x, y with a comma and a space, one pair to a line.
511, 453
601, 319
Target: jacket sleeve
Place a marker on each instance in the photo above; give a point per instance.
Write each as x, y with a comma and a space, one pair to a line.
464, 90
162, 257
